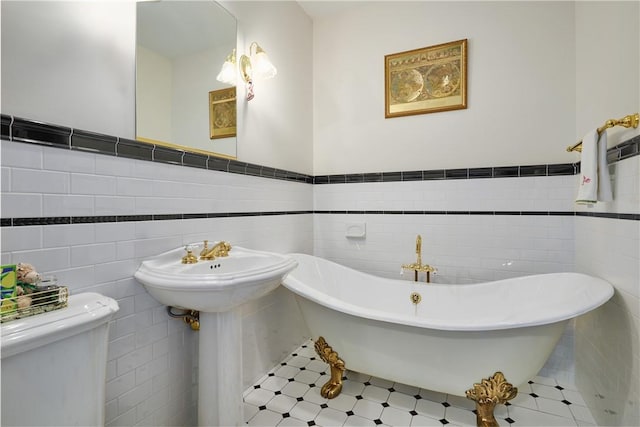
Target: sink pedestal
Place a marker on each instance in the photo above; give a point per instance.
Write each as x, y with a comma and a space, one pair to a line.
216, 289
220, 369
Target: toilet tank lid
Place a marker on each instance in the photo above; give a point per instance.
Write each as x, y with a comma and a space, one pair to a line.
84, 311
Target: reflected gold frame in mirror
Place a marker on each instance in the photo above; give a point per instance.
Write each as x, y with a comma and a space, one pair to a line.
222, 113
426, 80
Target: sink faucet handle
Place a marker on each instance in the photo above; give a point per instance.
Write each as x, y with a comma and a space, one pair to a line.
205, 248
189, 258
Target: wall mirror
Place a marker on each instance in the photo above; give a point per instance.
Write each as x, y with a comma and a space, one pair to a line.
180, 49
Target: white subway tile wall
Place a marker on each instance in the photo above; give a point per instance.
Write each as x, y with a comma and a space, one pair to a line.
465, 247
152, 367
152, 361
608, 339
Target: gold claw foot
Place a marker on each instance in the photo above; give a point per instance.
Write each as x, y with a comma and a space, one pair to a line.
333, 387
487, 395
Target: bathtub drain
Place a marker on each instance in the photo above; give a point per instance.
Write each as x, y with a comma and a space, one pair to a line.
415, 298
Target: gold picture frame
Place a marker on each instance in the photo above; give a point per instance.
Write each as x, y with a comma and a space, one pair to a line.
222, 113
426, 80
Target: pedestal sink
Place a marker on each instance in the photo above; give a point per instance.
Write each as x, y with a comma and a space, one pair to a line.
216, 288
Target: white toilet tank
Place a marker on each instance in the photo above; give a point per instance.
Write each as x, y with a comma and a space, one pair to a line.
54, 364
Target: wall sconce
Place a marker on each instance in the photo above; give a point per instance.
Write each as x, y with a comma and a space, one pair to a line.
257, 65
228, 72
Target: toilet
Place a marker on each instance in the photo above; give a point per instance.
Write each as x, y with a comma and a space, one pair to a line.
54, 364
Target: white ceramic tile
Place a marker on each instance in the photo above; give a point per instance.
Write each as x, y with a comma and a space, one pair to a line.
422, 421
316, 366
39, 181
429, 408
401, 400
313, 396
68, 205
368, 409
406, 389
549, 392
92, 254
133, 397
292, 422
5, 179
68, 235
381, 382
358, 421
330, 417
307, 377
114, 205
22, 238
395, 417
19, 205
274, 383
582, 414
249, 410
295, 389
574, 397
524, 400
342, 402
554, 407
69, 161
132, 360
92, 184
459, 416
45, 260
305, 410
461, 402
375, 393
281, 403
528, 417
120, 385
265, 418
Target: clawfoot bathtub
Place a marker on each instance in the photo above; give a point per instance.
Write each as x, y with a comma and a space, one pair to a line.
446, 338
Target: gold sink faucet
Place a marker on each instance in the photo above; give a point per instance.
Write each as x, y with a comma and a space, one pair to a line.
220, 249
418, 266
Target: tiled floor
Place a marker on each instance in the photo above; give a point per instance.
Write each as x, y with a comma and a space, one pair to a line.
289, 395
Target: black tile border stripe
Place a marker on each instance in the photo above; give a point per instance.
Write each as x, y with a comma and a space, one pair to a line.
65, 220
30, 131
633, 217
35, 132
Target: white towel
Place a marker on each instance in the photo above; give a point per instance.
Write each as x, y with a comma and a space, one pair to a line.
595, 183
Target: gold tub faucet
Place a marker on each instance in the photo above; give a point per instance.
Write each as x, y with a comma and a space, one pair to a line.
220, 249
418, 266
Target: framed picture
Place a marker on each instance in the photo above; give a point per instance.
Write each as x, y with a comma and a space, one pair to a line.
426, 80
222, 113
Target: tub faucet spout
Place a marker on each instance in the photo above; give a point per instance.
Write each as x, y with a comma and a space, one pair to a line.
418, 266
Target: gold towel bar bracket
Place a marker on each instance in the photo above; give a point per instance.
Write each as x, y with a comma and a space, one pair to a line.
630, 121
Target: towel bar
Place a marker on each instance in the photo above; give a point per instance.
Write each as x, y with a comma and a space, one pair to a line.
630, 121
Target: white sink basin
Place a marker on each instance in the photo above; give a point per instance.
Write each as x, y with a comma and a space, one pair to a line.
213, 285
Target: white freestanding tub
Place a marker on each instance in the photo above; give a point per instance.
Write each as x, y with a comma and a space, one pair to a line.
456, 336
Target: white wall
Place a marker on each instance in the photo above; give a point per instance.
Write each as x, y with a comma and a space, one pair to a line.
275, 128
521, 86
607, 340
72, 63
607, 64
152, 361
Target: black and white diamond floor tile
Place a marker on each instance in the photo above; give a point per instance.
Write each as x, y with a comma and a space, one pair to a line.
289, 395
